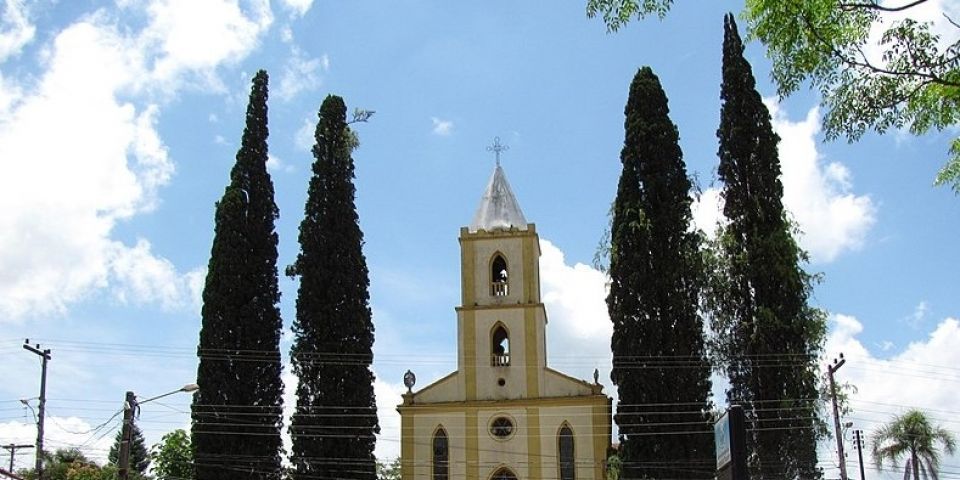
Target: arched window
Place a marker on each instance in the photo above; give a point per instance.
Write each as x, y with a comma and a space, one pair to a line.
566, 453
504, 473
500, 347
441, 455
499, 287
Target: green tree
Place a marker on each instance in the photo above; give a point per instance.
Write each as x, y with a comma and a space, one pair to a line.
910, 78
912, 436
237, 412
614, 466
334, 424
768, 338
659, 355
72, 464
92, 471
139, 456
173, 456
57, 466
388, 471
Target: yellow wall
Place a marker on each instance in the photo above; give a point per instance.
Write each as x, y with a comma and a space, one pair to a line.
531, 452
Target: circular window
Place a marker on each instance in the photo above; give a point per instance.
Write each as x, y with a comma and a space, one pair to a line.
501, 427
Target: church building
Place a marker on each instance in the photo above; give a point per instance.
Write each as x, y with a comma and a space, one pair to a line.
503, 414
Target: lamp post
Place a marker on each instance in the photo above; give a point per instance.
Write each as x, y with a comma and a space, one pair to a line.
130, 404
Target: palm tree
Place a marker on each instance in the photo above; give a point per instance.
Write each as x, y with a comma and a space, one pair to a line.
912, 435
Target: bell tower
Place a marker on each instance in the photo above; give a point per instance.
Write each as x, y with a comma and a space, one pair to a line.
501, 321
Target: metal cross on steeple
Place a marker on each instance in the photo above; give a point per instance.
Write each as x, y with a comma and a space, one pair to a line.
496, 148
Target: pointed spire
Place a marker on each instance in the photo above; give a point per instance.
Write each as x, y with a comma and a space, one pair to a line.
498, 208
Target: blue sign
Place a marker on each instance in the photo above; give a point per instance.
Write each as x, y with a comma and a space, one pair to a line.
721, 436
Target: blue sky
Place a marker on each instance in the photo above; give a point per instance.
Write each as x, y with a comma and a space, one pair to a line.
119, 122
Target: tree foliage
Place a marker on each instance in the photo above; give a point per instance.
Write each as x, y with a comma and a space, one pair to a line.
768, 338
655, 275
173, 457
388, 471
614, 465
72, 464
139, 456
334, 423
877, 65
237, 412
912, 436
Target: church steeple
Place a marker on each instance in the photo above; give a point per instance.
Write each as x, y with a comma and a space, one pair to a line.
499, 209
500, 250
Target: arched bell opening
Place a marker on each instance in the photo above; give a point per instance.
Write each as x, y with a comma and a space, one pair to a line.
499, 346
499, 284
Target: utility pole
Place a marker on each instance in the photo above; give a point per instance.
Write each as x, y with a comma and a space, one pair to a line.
45, 356
13, 451
131, 410
858, 435
831, 369
123, 464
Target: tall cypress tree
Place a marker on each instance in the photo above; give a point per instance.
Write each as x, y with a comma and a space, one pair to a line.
237, 412
769, 337
659, 355
335, 421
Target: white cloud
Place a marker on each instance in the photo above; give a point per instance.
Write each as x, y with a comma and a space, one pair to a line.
441, 127
59, 432
10, 95
286, 34
832, 219
142, 277
818, 195
300, 74
274, 163
15, 29
579, 331
388, 397
297, 7
885, 346
919, 314
304, 138
219, 140
194, 37
708, 211
63, 198
196, 280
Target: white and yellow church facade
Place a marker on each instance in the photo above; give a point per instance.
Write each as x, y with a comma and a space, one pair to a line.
503, 414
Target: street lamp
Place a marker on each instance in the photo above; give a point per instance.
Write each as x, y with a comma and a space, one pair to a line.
130, 404
190, 387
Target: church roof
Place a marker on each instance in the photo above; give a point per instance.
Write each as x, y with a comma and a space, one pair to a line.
498, 208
